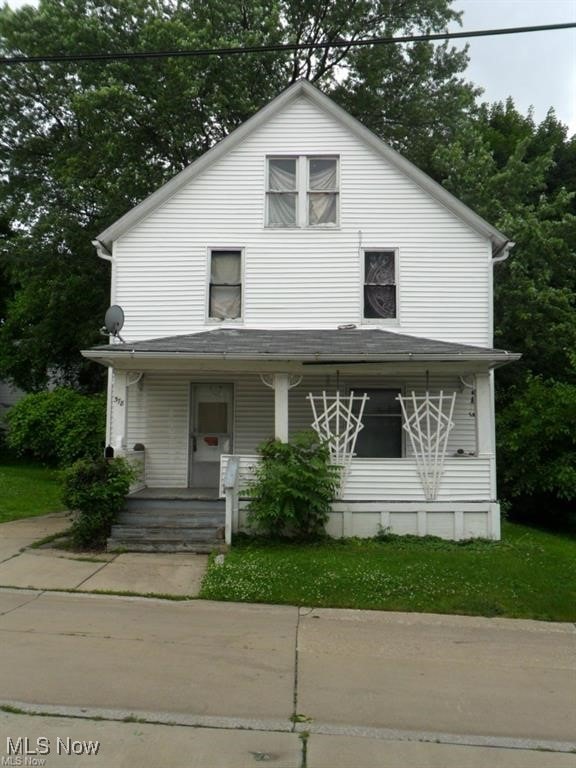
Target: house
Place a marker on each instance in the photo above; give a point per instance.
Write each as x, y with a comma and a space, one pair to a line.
298, 262
9, 396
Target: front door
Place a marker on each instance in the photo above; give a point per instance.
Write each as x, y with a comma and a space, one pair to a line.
211, 420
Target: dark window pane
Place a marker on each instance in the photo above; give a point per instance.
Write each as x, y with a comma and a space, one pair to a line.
382, 401
379, 267
380, 301
380, 438
212, 417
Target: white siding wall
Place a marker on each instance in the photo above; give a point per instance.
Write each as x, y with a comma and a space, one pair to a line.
303, 277
158, 416
9, 395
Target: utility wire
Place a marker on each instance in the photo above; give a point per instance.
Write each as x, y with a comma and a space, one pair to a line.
52, 58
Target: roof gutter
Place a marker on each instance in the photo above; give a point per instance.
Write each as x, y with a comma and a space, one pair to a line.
101, 251
503, 252
309, 359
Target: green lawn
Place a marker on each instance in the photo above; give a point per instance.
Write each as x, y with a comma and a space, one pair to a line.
529, 574
27, 489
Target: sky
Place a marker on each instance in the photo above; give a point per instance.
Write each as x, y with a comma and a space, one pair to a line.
537, 69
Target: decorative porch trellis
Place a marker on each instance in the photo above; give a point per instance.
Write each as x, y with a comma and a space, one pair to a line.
428, 428
338, 426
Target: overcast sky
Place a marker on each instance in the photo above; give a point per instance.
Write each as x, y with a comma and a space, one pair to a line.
537, 69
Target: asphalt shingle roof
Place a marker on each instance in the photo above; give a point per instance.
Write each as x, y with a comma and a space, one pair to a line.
327, 345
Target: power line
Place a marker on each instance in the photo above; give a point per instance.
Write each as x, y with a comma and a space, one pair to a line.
54, 58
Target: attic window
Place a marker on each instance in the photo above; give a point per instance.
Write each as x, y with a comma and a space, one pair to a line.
380, 285
302, 191
225, 301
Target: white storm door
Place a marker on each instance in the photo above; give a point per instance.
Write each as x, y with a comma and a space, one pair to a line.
211, 424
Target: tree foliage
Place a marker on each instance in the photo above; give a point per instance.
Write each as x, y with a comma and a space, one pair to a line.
81, 143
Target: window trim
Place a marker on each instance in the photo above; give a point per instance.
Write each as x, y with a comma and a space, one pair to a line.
390, 321
302, 191
216, 320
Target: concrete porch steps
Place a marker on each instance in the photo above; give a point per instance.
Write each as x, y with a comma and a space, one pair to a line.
169, 522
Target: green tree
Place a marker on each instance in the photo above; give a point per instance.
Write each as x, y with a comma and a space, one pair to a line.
81, 143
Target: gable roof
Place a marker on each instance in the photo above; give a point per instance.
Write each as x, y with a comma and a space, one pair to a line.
302, 88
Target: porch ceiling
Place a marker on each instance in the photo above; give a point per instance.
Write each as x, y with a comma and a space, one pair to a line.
292, 349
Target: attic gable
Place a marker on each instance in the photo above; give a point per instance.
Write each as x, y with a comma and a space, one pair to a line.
302, 89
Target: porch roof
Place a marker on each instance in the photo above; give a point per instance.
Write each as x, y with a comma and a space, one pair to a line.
325, 346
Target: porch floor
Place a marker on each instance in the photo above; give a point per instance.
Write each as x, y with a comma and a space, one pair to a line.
189, 494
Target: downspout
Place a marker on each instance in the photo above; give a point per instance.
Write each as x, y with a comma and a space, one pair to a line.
103, 253
503, 252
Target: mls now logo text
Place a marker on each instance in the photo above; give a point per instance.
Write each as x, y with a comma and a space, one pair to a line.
25, 751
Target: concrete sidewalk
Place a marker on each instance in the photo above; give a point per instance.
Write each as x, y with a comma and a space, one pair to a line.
52, 568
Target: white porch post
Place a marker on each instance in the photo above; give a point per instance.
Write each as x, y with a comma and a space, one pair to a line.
281, 384
119, 393
486, 440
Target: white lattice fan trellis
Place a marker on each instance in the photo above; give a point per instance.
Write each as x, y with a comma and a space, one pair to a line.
428, 426
336, 424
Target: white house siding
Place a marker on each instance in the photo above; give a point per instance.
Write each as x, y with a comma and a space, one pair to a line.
303, 277
386, 494
157, 416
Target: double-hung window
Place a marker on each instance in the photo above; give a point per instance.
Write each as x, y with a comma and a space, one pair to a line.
302, 191
380, 285
225, 293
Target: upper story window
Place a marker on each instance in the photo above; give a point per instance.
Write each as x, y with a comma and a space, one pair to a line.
225, 294
380, 285
302, 191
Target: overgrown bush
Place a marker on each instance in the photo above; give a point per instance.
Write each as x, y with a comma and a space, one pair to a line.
293, 488
537, 452
96, 490
58, 427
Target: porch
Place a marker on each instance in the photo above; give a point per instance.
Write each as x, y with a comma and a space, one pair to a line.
193, 417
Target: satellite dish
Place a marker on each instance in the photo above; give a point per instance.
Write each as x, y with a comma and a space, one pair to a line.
114, 321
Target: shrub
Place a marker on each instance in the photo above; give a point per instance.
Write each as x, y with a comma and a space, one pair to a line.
537, 452
293, 488
58, 427
96, 489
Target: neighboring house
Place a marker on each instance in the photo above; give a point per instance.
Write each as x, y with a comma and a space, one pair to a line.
301, 255
9, 396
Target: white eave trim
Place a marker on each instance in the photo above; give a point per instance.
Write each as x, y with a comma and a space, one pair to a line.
303, 88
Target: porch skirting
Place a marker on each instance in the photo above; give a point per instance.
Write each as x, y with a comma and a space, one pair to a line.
364, 519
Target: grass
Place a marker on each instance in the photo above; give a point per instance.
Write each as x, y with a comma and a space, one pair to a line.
27, 489
529, 574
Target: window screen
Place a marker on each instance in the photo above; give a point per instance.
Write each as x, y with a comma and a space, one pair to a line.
226, 285
379, 284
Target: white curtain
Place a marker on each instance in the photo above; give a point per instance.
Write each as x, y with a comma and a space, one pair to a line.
225, 288
323, 174
282, 175
282, 209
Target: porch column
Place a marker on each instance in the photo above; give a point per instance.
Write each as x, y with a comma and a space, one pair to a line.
119, 393
484, 406
281, 385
